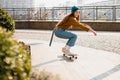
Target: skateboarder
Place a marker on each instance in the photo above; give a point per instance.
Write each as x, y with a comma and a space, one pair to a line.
69, 21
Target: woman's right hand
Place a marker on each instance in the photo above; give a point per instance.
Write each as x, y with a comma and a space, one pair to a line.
94, 32
91, 30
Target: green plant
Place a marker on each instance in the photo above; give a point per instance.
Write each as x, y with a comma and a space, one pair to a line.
6, 21
15, 61
43, 75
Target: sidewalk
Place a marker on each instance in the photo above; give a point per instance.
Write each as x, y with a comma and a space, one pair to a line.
91, 64
108, 41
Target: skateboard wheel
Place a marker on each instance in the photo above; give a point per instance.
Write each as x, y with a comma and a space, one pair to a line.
73, 56
76, 57
63, 54
70, 58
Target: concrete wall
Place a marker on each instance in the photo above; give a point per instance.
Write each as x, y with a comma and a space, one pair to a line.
48, 25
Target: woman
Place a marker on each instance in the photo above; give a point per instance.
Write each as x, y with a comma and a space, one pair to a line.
69, 21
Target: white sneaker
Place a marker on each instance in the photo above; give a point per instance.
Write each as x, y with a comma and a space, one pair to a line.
65, 51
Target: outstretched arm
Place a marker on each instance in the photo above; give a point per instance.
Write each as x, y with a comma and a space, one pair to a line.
84, 27
92, 30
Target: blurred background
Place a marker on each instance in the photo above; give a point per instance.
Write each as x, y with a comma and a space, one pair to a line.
26, 13
55, 9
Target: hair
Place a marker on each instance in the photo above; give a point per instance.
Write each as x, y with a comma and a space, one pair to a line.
66, 18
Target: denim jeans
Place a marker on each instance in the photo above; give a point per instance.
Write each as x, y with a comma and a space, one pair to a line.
66, 35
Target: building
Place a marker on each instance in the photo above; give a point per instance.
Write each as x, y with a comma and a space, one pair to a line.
105, 3
16, 3
36, 3
80, 2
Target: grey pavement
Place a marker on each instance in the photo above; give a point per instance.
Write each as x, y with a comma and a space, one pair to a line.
107, 41
92, 64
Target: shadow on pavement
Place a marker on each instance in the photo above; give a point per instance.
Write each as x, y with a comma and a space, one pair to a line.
107, 73
65, 58
35, 43
47, 62
60, 58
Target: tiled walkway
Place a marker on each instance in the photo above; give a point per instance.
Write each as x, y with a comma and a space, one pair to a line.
91, 64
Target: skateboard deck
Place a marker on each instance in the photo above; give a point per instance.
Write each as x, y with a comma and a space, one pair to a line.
71, 57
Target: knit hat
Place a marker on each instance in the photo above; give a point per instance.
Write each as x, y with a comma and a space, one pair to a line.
74, 8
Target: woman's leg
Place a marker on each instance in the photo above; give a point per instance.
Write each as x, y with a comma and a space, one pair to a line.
72, 39
70, 43
67, 35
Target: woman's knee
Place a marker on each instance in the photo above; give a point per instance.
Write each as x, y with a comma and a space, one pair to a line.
75, 36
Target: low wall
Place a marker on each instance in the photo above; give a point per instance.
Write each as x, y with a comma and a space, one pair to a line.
49, 25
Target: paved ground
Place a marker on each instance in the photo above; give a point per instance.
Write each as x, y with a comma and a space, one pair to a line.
108, 41
92, 64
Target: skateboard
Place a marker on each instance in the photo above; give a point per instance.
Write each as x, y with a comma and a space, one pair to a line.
72, 57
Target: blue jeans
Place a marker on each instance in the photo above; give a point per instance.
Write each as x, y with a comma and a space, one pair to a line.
66, 35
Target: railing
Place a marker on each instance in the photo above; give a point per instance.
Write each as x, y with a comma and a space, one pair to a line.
88, 13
